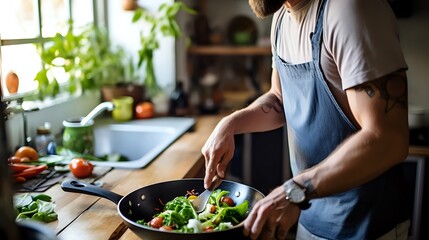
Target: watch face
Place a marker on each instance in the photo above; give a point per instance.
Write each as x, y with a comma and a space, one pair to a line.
296, 195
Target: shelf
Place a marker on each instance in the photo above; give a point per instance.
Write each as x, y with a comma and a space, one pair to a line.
230, 50
419, 151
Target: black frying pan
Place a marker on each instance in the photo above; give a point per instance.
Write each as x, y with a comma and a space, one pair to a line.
144, 202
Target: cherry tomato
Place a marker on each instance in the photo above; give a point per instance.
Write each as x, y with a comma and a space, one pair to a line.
26, 151
228, 201
80, 167
212, 209
156, 222
166, 228
145, 110
208, 229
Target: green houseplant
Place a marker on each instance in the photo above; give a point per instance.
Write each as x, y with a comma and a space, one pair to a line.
162, 22
90, 62
87, 58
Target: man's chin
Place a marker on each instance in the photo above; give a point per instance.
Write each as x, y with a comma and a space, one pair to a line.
265, 8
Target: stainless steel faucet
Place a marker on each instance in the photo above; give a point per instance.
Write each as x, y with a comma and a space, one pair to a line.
96, 111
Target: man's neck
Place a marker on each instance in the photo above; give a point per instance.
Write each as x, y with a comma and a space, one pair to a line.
291, 3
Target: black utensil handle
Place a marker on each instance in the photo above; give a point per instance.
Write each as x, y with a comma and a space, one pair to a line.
85, 188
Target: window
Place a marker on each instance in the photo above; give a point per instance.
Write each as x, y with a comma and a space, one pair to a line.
26, 22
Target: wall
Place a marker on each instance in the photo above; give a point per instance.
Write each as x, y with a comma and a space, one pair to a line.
415, 42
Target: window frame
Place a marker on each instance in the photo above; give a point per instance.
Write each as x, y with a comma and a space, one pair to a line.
98, 18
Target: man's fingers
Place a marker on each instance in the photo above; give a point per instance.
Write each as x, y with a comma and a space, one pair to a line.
223, 164
249, 221
257, 219
211, 169
281, 233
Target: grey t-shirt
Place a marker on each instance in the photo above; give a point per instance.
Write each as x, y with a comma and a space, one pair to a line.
358, 45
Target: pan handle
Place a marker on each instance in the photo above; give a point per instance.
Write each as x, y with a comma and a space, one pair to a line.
81, 187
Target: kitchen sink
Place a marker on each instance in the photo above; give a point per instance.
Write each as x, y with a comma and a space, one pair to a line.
140, 141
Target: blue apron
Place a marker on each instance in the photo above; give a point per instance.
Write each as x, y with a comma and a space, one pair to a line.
316, 126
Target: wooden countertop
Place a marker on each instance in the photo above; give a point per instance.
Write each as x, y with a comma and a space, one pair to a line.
84, 217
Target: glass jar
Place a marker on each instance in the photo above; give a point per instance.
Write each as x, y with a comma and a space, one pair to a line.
43, 138
78, 138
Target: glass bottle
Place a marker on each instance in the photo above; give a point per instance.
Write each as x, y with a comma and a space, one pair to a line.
43, 138
179, 102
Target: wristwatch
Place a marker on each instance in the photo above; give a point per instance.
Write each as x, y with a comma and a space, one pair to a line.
295, 194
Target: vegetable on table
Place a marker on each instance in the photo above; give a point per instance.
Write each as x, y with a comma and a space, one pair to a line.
28, 152
21, 172
69, 154
81, 168
19, 167
37, 207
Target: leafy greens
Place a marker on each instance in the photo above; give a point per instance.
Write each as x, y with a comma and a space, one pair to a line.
179, 214
36, 207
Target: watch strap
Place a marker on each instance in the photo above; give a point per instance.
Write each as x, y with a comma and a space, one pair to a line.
304, 204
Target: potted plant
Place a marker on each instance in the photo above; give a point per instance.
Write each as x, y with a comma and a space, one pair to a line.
162, 22
75, 54
120, 78
90, 62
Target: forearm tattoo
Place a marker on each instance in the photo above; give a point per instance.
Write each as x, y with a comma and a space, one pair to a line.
270, 102
393, 89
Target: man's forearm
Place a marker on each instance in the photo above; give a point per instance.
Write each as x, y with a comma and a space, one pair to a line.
264, 114
361, 158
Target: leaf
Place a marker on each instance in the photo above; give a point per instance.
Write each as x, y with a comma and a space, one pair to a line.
53, 88
41, 78
22, 200
42, 197
138, 13
45, 207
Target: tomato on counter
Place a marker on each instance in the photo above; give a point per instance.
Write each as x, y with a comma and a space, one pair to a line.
144, 110
81, 168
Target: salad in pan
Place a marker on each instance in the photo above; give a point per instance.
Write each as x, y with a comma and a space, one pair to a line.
221, 213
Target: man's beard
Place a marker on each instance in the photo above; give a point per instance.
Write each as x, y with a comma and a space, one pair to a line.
264, 8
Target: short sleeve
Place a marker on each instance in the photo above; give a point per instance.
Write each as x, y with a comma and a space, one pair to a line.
273, 29
363, 39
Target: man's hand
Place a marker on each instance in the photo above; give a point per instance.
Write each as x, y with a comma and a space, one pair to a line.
271, 217
218, 151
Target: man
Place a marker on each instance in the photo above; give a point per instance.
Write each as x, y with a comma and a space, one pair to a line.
339, 85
